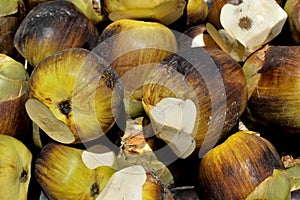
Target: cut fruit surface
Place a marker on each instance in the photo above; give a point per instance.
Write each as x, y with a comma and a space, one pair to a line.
43, 117
173, 120
94, 160
126, 183
253, 23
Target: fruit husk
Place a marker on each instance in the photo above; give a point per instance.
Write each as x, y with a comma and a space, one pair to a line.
14, 120
62, 174
10, 7
184, 192
278, 181
51, 27
94, 12
153, 183
15, 168
235, 168
11, 14
8, 27
133, 48
85, 100
178, 78
197, 11
292, 8
196, 36
30, 4
124, 44
213, 16
272, 75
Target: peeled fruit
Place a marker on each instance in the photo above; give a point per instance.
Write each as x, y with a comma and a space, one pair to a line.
15, 168
51, 27
163, 11
272, 75
135, 182
216, 7
70, 173
253, 23
133, 48
194, 98
74, 96
244, 166
14, 120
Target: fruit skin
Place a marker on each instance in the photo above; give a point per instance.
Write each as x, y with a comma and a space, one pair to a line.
14, 120
163, 11
197, 11
196, 36
177, 77
62, 174
11, 15
272, 75
292, 8
153, 183
86, 95
92, 9
129, 43
214, 14
15, 168
236, 167
30, 4
133, 48
53, 26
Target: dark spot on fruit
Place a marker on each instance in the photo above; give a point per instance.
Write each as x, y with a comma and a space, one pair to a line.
24, 176
65, 107
94, 190
48, 99
245, 23
110, 77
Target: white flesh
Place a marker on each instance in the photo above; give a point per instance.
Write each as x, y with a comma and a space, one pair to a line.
262, 21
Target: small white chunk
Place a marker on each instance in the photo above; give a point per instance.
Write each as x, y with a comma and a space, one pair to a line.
175, 113
94, 160
198, 41
125, 184
182, 144
253, 23
173, 120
